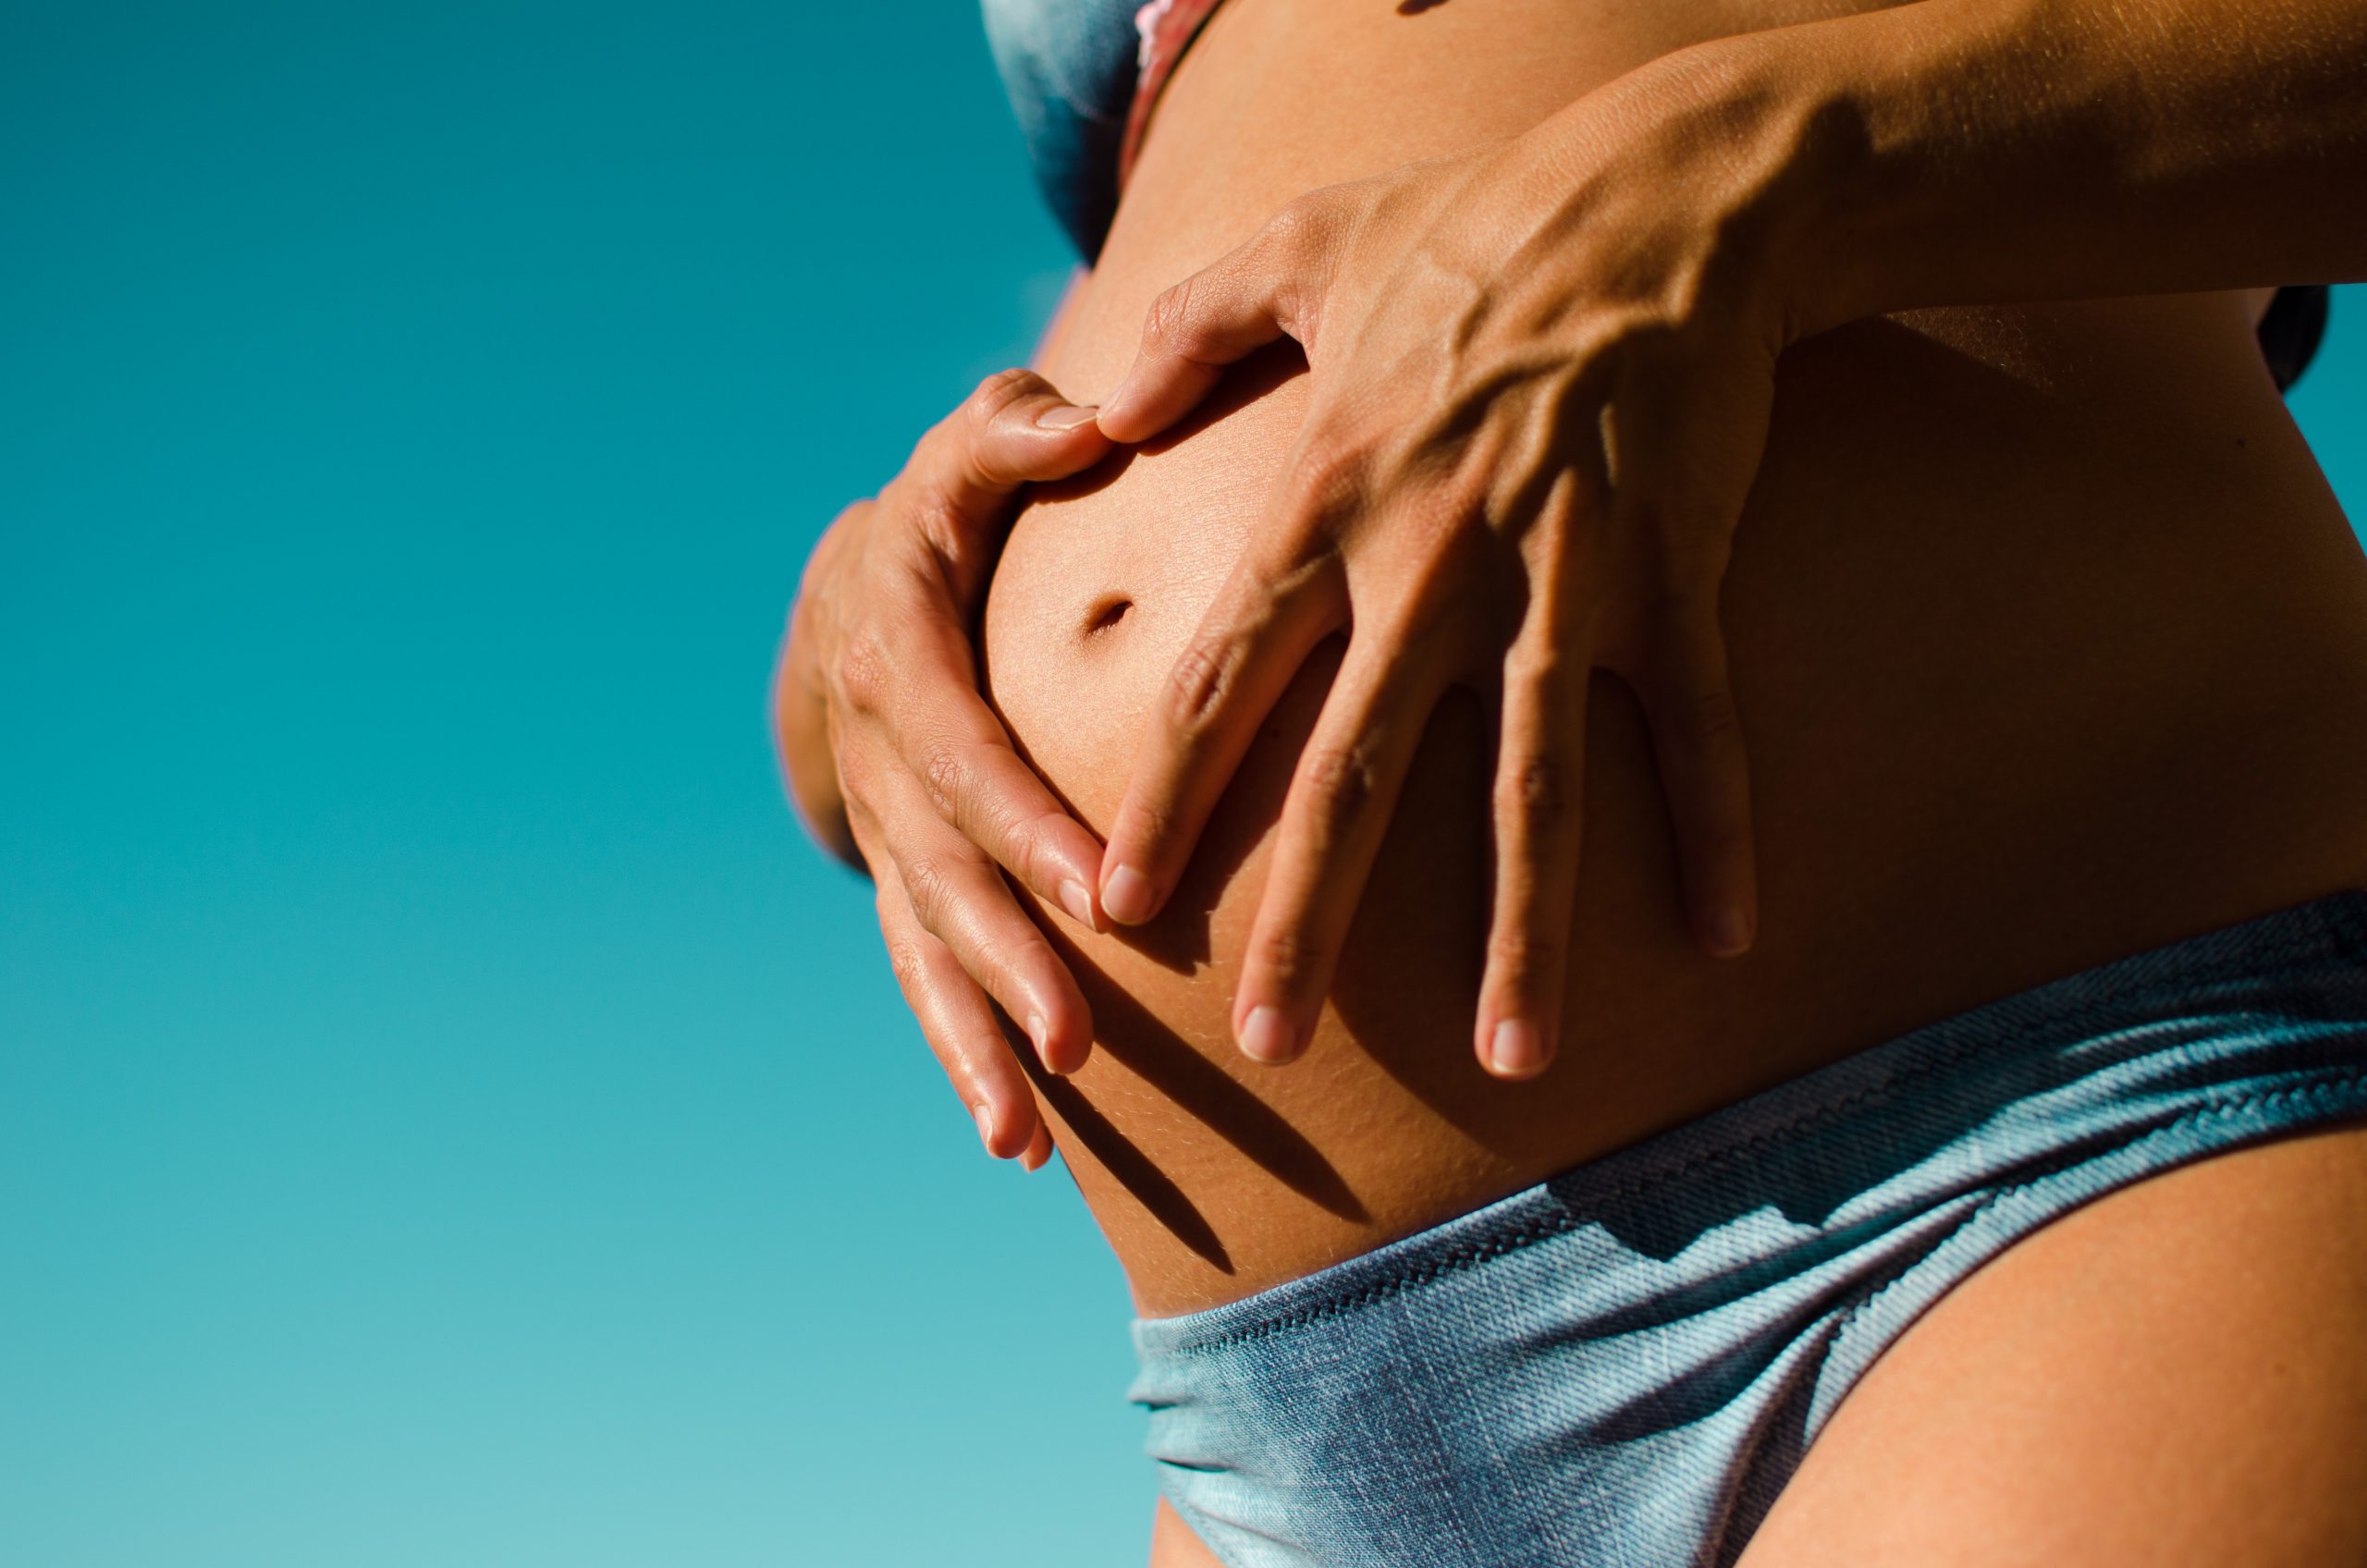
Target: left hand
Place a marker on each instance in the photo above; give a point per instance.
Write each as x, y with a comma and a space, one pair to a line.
1541, 383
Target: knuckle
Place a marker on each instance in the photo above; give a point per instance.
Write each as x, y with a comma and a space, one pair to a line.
1014, 967
863, 672
1325, 484
1028, 961
946, 775
1168, 324
929, 507
904, 961
1544, 662
856, 774
1521, 956
1712, 715
1634, 326
1031, 848
1149, 825
929, 883
1327, 460
1285, 954
1535, 791
1341, 783
1296, 226
1197, 687
995, 393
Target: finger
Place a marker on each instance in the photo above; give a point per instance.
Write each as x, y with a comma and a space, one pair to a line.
1689, 438
1038, 1152
1254, 294
1269, 616
1537, 816
961, 1029
1333, 821
1014, 429
952, 741
959, 897
1705, 773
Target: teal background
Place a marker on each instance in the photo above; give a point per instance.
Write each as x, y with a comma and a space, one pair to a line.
448, 1114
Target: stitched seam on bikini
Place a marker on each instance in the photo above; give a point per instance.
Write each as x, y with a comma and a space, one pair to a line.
2217, 1110
1817, 1115
2293, 949
1814, 1117
1948, 1056
2296, 949
1493, 1248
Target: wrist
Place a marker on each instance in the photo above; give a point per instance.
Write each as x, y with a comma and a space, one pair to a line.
1849, 132
1754, 149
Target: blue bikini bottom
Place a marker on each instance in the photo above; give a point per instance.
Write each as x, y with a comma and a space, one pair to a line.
1624, 1364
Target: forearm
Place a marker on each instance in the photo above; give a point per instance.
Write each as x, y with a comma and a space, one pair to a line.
1956, 152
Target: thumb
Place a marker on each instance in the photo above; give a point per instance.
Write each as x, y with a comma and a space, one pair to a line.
1261, 291
1015, 429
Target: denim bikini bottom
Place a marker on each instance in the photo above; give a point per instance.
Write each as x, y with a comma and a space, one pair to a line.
1622, 1367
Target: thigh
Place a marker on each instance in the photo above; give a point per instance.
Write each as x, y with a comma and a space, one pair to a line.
2176, 1374
1172, 1544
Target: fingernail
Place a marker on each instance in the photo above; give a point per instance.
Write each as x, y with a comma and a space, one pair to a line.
1730, 933
1266, 1035
1031, 1162
1077, 901
1038, 1031
1067, 416
986, 1127
1517, 1050
1126, 895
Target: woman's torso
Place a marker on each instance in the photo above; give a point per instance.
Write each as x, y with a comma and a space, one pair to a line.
2051, 644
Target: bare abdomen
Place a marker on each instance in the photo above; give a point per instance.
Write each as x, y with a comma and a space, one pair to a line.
2050, 641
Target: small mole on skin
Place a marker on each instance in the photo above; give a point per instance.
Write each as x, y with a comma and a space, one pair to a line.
1107, 613
1415, 7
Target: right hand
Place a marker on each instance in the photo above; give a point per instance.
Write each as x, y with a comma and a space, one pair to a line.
892, 753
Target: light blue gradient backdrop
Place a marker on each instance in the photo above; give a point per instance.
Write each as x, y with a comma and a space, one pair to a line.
448, 1115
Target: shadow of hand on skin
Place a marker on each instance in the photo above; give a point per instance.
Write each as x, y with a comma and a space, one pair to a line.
1197, 1088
